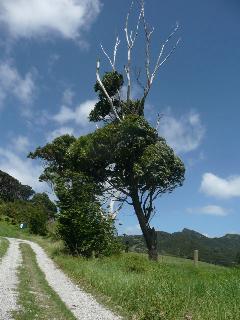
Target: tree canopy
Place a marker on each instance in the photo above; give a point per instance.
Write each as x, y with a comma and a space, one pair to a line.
11, 189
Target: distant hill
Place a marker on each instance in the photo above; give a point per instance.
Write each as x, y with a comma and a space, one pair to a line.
224, 250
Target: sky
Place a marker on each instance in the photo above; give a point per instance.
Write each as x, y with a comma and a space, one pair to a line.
48, 53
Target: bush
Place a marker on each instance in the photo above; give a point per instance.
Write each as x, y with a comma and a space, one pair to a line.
33, 215
84, 230
38, 221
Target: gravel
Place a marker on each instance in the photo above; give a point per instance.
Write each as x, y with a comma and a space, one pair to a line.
82, 304
9, 280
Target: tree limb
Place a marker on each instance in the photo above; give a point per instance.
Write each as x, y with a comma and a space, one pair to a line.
105, 92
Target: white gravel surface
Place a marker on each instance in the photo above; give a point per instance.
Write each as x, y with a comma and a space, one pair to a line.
82, 305
8, 280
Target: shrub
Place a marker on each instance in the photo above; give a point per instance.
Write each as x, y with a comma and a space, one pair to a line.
84, 230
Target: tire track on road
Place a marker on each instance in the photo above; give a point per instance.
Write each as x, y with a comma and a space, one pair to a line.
9, 280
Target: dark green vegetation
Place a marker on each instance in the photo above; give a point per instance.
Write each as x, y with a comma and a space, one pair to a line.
223, 251
11, 189
36, 299
20, 204
3, 246
172, 289
82, 224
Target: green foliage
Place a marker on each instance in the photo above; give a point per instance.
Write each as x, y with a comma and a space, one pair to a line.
37, 221
54, 154
127, 151
223, 251
18, 212
82, 224
113, 82
42, 199
11, 189
84, 229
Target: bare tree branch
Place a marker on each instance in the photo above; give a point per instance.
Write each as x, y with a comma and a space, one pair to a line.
112, 61
105, 92
130, 39
148, 33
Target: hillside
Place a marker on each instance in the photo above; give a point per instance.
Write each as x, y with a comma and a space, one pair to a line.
224, 250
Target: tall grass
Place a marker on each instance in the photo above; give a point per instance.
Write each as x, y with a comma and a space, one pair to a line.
169, 290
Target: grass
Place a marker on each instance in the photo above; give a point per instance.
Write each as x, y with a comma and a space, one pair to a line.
9, 230
172, 289
4, 244
36, 299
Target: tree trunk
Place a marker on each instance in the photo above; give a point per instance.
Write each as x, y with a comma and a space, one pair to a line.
149, 234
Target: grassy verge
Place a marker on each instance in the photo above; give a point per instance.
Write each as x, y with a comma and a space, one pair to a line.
12, 231
4, 244
172, 289
37, 300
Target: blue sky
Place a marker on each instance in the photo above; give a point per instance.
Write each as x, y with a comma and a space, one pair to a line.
47, 72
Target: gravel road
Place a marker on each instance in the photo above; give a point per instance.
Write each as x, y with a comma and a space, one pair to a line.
82, 305
8, 280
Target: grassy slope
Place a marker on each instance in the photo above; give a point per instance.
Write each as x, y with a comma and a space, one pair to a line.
8, 230
173, 289
36, 297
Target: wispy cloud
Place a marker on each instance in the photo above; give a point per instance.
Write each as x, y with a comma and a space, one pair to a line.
79, 115
184, 134
25, 170
213, 185
212, 210
21, 143
13, 84
67, 18
59, 132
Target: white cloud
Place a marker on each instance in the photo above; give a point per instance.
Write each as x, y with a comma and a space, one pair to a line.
213, 185
68, 95
13, 84
68, 18
59, 132
25, 170
79, 115
213, 210
184, 134
20, 143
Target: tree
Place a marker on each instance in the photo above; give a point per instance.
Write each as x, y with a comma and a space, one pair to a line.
125, 157
11, 189
43, 200
83, 225
20, 211
141, 165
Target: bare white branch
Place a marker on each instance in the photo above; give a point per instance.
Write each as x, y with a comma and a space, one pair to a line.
112, 61
105, 91
159, 63
148, 33
130, 39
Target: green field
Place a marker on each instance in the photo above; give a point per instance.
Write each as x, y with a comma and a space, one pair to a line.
171, 289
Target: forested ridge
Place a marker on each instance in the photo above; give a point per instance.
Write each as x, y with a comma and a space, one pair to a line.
224, 250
